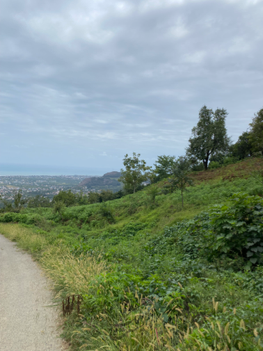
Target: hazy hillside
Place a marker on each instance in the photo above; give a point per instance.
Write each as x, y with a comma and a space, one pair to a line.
109, 181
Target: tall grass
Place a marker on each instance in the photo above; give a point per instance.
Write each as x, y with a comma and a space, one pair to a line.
26, 238
72, 275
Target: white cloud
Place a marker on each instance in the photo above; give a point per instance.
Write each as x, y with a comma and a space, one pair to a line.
104, 154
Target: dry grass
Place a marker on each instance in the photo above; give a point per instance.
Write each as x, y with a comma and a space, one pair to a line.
241, 169
26, 238
72, 275
146, 331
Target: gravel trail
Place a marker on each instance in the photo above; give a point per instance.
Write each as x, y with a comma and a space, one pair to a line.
27, 320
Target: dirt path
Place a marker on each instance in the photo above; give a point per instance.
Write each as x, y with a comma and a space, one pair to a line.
27, 322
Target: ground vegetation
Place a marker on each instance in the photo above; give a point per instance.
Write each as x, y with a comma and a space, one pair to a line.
154, 276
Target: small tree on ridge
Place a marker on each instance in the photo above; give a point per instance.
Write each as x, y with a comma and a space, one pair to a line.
135, 172
209, 136
180, 179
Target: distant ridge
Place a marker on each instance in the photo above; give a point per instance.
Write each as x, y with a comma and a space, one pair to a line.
113, 174
107, 181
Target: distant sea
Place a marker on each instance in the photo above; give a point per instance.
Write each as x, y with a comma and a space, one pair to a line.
27, 170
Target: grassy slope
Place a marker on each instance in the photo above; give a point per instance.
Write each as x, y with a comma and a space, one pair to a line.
133, 252
210, 187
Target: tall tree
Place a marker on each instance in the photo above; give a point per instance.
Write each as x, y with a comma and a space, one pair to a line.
135, 172
256, 133
163, 168
209, 137
243, 147
19, 201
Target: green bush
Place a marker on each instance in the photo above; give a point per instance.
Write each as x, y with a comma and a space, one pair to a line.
8, 217
106, 212
236, 230
215, 165
257, 191
34, 219
13, 217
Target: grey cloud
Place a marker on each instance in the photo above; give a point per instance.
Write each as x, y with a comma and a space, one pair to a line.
124, 76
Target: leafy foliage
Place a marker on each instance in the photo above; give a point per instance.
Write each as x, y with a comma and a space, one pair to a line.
237, 229
135, 172
152, 192
256, 133
180, 179
209, 136
163, 168
106, 212
243, 147
67, 197
104, 195
18, 203
38, 201
59, 207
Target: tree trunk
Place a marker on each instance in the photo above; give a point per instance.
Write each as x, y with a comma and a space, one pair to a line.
205, 162
182, 194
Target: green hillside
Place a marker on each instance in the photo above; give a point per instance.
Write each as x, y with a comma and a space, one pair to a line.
154, 275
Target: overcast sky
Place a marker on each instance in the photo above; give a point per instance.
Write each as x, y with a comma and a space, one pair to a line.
84, 82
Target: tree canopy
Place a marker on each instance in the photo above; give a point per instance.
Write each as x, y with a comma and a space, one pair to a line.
67, 197
163, 168
135, 172
38, 201
209, 137
256, 133
243, 147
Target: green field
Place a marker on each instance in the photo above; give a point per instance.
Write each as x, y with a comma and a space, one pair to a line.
154, 275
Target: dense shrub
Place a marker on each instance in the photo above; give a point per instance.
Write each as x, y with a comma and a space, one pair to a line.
232, 231
106, 212
13, 217
236, 229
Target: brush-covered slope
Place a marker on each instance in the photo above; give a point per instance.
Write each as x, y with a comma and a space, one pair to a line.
154, 275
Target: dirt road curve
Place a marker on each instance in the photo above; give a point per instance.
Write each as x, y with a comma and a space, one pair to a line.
26, 321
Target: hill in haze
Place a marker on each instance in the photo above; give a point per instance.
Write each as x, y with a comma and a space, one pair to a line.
109, 181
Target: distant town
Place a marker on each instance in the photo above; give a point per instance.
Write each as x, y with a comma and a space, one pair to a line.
49, 186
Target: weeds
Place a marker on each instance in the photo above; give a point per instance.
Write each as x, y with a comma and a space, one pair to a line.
144, 272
